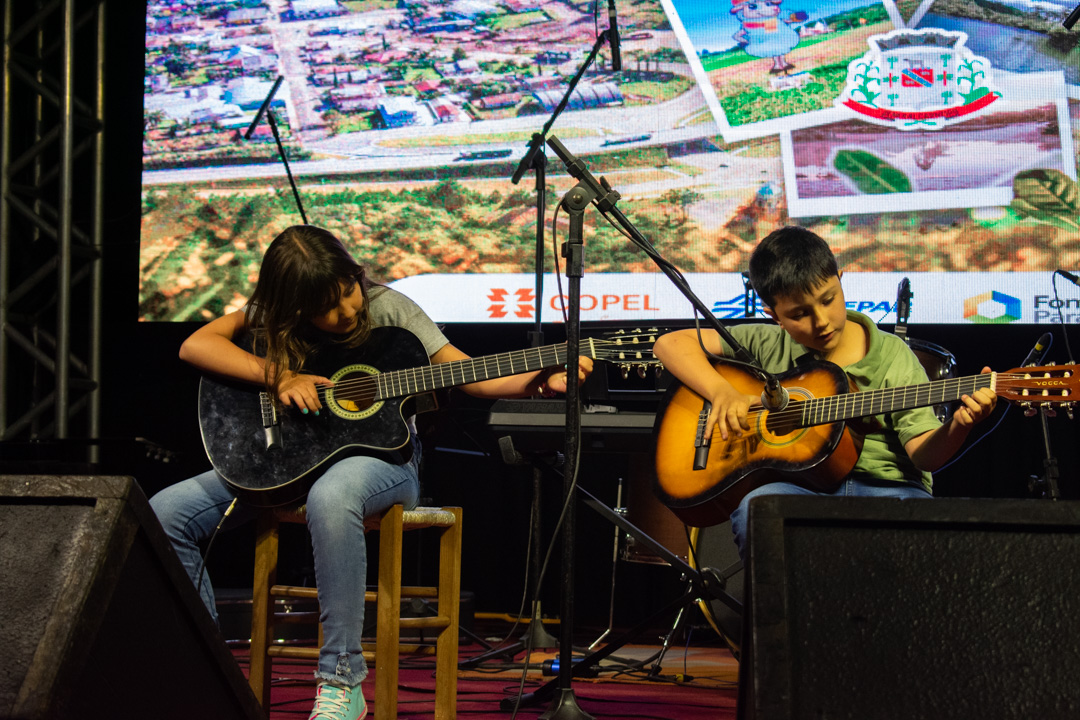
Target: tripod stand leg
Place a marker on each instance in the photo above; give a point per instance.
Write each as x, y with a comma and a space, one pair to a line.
614, 566
544, 692
654, 671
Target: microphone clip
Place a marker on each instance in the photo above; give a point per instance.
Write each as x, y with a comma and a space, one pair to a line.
775, 396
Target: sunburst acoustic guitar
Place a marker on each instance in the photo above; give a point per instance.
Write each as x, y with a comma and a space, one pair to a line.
810, 440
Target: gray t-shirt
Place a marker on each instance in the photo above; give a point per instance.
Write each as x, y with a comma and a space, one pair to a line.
389, 308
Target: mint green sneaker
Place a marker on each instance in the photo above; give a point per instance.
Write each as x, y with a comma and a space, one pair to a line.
338, 703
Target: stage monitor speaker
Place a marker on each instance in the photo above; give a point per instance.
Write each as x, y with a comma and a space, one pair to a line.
97, 616
882, 608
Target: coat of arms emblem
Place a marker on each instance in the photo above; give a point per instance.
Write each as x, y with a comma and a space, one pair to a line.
918, 79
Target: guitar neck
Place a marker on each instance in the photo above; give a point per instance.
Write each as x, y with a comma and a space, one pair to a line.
848, 406
400, 383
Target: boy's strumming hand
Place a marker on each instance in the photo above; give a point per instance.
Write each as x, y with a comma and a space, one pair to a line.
302, 390
729, 411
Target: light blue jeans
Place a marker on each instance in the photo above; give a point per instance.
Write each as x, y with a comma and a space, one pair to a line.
852, 487
338, 502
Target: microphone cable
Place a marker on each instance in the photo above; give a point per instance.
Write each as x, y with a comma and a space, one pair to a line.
202, 562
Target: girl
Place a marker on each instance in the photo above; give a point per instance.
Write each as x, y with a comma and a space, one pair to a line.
310, 293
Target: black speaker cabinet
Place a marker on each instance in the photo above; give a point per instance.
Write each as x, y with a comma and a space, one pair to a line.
879, 608
97, 617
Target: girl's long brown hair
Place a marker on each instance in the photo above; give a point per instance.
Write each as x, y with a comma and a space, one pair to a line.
302, 276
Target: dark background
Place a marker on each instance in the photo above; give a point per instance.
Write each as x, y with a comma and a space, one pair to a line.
149, 393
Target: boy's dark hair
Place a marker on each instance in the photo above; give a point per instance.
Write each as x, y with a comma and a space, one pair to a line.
790, 260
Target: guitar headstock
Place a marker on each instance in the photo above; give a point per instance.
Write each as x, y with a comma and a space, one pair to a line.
1043, 386
630, 350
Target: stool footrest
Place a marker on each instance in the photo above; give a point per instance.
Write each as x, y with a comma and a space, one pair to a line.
406, 593
289, 651
294, 591
438, 621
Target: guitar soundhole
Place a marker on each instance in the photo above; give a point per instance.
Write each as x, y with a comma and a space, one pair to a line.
354, 392
781, 423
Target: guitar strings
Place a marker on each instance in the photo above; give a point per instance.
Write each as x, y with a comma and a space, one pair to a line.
503, 365
1004, 381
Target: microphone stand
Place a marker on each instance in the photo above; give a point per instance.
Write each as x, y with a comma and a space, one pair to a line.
565, 705
537, 637
605, 202
266, 110
589, 190
534, 158
1047, 485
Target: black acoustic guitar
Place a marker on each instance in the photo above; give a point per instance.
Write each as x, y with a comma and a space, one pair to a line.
271, 455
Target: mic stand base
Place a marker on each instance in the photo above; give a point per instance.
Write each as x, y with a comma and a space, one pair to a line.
566, 707
537, 637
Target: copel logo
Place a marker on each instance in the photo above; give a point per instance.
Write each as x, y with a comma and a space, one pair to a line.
992, 308
605, 303
520, 302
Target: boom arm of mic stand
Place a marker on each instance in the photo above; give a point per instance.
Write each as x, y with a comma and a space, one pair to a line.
605, 201
266, 111
536, 144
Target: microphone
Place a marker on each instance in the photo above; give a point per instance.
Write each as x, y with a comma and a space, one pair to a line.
774, 396
903, 300
1071, 20
1074, 279
1041, 346
613, 37
264, 108
509, 453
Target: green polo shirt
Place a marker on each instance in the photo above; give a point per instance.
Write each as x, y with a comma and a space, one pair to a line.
889, 362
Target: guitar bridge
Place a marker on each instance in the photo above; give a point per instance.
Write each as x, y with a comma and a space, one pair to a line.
271, 423
701, 445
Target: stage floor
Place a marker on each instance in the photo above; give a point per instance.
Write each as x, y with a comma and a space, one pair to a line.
694, 682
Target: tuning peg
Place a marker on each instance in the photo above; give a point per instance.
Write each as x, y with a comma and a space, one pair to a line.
624, 370
1069, 410
1029, 411
641, 370
1049, 410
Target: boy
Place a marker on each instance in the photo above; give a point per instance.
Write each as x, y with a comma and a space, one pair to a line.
795, 274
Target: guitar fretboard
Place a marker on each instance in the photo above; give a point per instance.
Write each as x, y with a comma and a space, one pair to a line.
401, 383
846, 406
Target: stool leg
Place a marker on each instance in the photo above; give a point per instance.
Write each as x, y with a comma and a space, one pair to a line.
388, 609
266, 553
446, 647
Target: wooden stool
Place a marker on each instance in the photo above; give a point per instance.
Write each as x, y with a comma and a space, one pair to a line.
388, 598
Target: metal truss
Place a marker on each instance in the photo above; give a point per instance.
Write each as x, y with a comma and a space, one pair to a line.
51, 161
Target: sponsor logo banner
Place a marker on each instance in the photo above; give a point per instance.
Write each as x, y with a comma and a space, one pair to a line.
939, 298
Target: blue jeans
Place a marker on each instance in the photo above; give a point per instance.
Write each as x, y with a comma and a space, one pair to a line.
338, 502
861, 487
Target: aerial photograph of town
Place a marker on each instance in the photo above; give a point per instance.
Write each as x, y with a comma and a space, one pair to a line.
403, 122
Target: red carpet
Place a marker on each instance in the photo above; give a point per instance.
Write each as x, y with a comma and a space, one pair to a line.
693, 683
